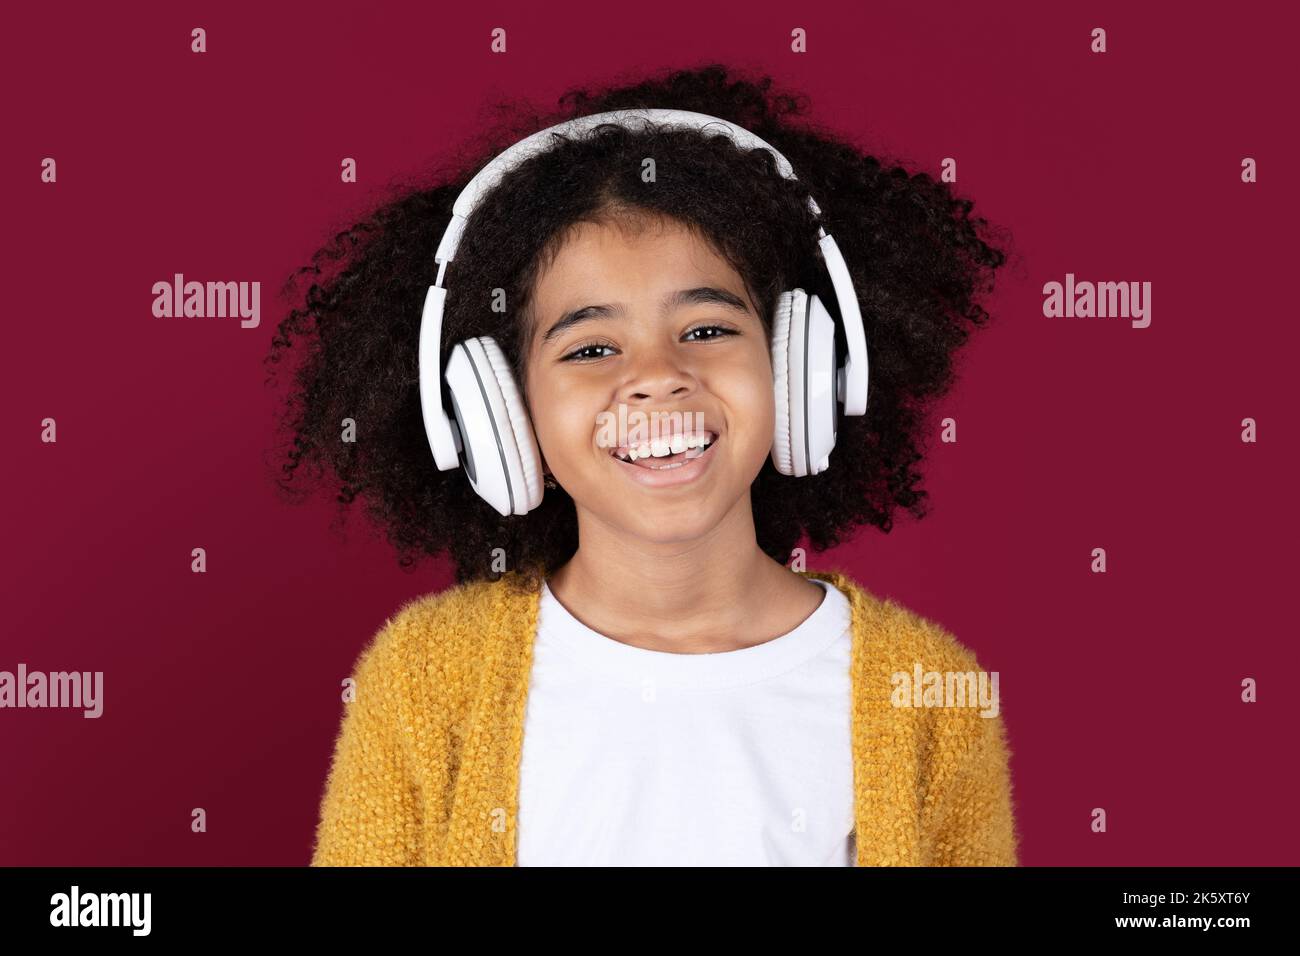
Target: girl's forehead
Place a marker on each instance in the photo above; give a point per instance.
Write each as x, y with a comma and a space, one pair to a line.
596, 258
624, 262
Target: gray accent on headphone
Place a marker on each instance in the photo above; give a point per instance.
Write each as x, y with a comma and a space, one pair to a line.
807, 328
465, 447
501, 452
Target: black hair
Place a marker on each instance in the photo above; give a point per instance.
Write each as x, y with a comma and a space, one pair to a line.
913, 250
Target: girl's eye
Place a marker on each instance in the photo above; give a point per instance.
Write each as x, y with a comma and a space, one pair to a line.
723, 329
577, 356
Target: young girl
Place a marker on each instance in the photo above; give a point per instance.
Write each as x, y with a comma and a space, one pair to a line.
626, 671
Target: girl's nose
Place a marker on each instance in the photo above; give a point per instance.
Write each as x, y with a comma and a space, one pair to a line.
658, 377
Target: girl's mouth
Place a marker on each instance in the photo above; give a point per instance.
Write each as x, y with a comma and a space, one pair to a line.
675, 469
660, 462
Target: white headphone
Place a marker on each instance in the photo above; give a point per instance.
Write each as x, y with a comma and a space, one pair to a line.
491, 435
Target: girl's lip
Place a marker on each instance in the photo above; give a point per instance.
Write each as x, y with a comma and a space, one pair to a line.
668, 477
708, 432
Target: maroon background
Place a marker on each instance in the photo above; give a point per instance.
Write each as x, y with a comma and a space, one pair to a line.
221, 690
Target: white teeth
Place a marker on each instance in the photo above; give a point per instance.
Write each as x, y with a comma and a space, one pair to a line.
661, 448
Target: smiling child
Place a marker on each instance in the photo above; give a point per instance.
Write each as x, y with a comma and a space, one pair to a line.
632, 668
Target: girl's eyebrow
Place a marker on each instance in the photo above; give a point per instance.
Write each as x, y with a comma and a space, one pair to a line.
699, 295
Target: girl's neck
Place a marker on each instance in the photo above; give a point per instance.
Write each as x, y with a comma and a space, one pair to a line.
713, 595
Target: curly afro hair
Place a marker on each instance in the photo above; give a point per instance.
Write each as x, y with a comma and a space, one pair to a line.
912, 250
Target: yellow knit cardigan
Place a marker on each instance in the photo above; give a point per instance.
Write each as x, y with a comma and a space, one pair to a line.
426, 761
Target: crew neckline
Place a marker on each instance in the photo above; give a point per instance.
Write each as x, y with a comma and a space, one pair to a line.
626, 664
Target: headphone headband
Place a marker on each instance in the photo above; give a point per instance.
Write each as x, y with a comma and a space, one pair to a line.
539, 142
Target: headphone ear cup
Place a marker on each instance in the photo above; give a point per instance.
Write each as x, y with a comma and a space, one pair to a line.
500, 452
517, 439
818, 395
804, 380
782, 452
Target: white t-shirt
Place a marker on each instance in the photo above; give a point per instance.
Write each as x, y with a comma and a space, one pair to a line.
633, 757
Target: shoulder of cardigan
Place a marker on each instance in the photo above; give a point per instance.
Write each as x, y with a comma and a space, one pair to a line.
898, 632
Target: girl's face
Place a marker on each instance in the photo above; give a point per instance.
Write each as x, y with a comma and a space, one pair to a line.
639, 348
